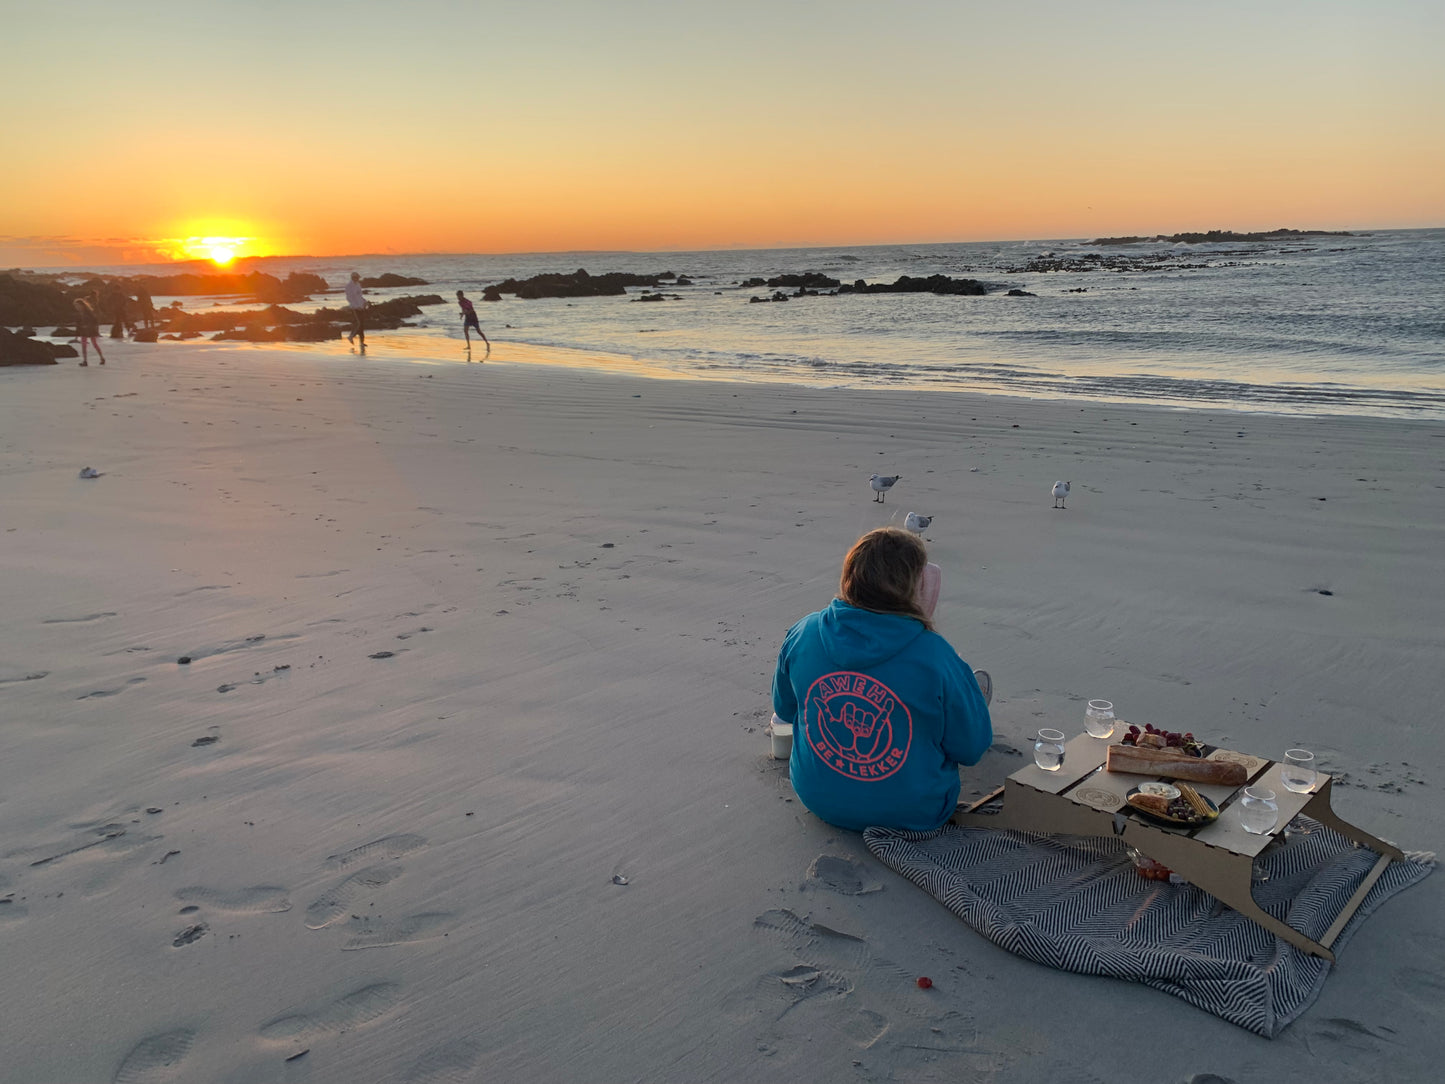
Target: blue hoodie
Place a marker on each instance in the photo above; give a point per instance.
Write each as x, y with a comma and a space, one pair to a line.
883, 712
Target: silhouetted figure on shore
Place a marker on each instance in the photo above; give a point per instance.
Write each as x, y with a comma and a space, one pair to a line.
87, 326
118, 305
357, 301
469, 322
145, 307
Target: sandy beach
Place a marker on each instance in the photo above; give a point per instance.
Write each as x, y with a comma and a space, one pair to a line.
466, 777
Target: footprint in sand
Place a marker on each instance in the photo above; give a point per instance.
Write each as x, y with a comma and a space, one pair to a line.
386, 849
34, 675
842, 875
356, 1008
102, 838
77, 620
451, 1063
155, 1059
261, 899
100, 693
331, 905
403, 931
10, 908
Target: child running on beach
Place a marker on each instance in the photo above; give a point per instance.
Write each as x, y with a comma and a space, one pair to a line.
469, 321
87, 326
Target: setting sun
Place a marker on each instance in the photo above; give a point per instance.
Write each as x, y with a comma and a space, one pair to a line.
222, 254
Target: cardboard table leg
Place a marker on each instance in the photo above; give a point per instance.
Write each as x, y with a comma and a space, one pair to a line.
1225, 876
1320, 809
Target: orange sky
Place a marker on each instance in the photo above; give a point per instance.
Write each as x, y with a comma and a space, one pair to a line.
330, 128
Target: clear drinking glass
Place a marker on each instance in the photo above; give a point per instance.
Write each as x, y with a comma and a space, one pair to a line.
1049, 750
1298, 770
1258, 812
1099, 719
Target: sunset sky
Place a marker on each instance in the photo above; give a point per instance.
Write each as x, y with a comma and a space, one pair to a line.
307, 126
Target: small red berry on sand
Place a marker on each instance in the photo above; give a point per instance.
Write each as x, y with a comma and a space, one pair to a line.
925, 983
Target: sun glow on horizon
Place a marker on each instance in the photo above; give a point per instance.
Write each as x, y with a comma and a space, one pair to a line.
220, 242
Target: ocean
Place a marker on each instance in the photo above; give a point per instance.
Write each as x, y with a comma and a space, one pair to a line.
1310, 324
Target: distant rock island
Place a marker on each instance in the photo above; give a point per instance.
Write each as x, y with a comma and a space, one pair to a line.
1221, 235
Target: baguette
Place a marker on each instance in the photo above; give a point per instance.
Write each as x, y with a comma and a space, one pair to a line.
1167, 764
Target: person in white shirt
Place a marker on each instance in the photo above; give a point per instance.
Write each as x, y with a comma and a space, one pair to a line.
358, 305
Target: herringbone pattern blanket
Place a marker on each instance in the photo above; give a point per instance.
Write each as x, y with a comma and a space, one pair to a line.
1077, 904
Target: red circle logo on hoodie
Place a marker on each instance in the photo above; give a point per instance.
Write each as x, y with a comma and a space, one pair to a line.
857, 725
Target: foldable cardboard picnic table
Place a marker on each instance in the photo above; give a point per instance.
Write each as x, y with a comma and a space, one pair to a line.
1083, 799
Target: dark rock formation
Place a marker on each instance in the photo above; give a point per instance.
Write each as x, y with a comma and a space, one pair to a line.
577, 284
263, 287
389, 279
1020, 293
1221, 235
810, 280
907, 284
34, 301
23, 350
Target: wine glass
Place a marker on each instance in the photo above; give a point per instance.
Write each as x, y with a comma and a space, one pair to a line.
1258, 811
1049, 750
1298, 770
1099, 719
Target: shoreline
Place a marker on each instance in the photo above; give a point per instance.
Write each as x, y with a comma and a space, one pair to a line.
581, 581
420, 346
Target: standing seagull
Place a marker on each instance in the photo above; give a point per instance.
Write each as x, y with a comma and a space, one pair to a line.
1061, 490
881, 484
916, 523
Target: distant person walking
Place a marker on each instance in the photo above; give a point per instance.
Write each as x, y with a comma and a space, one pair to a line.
469, 321
87, 326
357, 301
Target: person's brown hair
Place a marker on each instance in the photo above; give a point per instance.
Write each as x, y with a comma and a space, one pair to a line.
882, 572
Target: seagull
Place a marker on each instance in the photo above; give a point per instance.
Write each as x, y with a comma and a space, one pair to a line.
1061, 490
916, 523
881, 484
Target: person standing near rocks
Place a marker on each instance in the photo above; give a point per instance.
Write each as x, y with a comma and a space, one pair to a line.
357, 301
87, 326
119, 304
145, 307
469, 321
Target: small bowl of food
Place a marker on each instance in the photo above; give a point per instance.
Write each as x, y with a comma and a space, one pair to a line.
1167, 791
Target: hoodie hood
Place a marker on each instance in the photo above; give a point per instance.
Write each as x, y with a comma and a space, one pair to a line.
858, 639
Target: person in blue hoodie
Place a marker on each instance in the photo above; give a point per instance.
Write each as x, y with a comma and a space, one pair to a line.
883, 709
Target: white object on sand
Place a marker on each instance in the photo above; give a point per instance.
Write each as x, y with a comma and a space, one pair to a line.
881, 484
916, 523
1061, 490
89, 472
781, 734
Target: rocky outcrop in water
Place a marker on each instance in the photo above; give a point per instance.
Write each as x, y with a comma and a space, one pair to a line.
1213, 236
907, 284
578, 284
389, 280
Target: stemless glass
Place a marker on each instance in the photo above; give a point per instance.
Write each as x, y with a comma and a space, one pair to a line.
1258, 811
1099, 719
1049, 750
1298, 770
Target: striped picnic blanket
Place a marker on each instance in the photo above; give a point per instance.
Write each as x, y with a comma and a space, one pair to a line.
1076, 904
